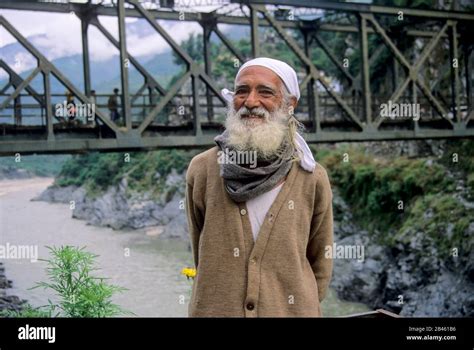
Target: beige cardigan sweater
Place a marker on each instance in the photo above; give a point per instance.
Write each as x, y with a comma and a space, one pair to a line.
285, 273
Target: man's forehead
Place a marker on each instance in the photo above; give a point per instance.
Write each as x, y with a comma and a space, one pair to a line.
258, 75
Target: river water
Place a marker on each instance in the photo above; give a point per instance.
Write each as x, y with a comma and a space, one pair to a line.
147, 266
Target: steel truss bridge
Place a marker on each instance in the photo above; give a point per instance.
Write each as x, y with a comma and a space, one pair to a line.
332, 110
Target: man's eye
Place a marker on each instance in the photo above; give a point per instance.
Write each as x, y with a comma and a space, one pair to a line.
266, 92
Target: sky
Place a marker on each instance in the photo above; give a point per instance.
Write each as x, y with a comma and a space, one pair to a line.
59, 35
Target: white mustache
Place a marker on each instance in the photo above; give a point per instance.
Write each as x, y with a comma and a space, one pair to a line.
258, 111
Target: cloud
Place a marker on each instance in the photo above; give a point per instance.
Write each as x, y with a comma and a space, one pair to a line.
144, 42
59, 35
61, 32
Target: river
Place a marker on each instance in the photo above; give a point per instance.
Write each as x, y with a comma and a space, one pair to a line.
147, 266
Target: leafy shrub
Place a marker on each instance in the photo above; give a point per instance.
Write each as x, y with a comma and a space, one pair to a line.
79, 293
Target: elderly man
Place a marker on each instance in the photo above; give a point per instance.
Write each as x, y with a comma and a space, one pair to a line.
259, 231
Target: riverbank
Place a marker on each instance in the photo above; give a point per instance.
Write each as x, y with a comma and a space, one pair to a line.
8, 298
8, 302
409, 205
18, 166
119, 208
410, 278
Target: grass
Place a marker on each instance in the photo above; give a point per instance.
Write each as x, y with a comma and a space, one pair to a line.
38, 165
143, 171
444, 219
380, 190
393, 197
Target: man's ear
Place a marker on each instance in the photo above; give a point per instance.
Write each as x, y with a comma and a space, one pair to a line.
294, 102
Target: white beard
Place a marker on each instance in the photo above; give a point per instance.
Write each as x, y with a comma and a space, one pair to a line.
265, 137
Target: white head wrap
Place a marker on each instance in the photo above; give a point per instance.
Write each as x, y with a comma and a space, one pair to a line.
288, 75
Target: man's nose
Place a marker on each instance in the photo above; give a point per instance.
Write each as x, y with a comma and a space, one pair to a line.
252, 100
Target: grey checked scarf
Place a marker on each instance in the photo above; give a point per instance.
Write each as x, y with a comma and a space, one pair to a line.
242, 183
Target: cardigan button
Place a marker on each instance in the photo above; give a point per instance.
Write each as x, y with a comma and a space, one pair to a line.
250, 306
243, 211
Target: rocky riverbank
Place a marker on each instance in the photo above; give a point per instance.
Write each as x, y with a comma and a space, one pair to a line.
409, 279
8, 302
422, 264
11, 173
120, 208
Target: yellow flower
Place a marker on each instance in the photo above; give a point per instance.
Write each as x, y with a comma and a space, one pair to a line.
188, 272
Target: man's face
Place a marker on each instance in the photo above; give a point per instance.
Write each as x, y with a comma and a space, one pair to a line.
257, 87
257, 119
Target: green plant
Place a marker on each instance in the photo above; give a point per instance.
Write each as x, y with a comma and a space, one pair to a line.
39, 165
96, 172
79, 293
27, 311
375, 187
